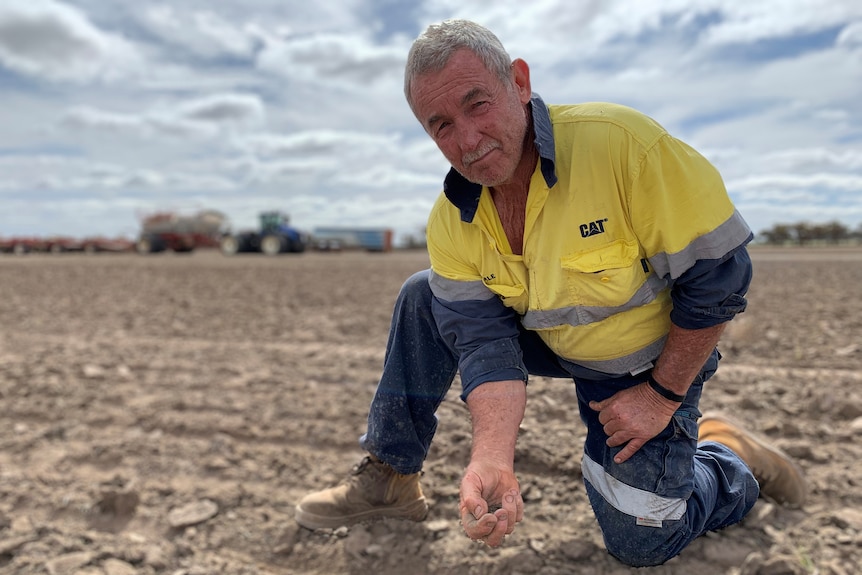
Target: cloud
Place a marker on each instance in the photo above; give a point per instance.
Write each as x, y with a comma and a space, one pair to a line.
55, 41
202, 33
324, 58
195, 118
224, 108
851, 36
247, 105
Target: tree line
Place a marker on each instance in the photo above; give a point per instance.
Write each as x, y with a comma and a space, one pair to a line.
806, 233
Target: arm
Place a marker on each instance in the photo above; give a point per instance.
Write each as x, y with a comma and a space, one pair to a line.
484, 334
709, 295
497, 409
636, 415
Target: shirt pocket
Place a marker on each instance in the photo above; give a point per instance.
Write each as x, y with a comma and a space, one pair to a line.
512, 296
606, 276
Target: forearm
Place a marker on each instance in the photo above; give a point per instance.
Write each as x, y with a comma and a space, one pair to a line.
497, 409
684, 354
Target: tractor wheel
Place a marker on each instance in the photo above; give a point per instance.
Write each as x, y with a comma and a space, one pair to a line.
229, 245
150, 244
272, 245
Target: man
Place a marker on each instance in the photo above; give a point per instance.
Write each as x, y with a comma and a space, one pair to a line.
570, 241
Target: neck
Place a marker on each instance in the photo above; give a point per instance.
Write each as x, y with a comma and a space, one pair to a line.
520, 184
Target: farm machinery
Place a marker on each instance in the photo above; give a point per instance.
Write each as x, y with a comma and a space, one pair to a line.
62, 244
170, 231
275, 236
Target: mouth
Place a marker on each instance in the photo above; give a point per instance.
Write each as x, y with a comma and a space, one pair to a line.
473, 157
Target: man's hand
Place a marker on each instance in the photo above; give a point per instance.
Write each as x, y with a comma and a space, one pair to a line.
491, 503
633, 416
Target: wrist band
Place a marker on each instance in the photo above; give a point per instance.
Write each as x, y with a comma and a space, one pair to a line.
663, 391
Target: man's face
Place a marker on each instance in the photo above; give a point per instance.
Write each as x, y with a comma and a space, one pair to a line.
478, 122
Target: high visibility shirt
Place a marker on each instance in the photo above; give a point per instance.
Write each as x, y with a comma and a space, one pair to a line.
626, 230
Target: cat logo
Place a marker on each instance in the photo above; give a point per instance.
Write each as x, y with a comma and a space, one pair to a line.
593, 228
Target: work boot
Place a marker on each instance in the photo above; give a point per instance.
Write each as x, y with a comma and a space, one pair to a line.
372, 490
779, 478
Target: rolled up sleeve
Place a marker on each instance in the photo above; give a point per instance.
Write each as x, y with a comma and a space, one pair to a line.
484, 334
712, 291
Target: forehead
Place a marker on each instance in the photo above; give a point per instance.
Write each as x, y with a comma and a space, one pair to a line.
463, 75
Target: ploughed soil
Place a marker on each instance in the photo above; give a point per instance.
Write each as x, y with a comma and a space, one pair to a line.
164, 414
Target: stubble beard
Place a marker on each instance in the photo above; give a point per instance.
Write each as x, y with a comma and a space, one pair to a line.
491, 176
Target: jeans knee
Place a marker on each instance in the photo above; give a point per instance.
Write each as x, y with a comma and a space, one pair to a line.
416, 289
638, 553
639, 545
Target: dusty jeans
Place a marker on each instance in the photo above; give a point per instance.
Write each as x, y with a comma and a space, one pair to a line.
649, 508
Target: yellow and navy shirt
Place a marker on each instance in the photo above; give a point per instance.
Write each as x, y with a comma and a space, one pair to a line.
627, 230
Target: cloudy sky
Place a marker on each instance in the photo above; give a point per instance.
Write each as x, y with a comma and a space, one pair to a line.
114, 109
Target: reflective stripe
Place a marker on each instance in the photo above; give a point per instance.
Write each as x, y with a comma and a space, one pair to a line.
729, 235
451, 290
633, 363
583, 315
631, 500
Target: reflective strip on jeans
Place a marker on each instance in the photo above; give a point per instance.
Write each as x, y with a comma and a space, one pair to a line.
631, 500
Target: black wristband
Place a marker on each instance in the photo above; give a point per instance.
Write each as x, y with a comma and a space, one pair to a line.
663, 391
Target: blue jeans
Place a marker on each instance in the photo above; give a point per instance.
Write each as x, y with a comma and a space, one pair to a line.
701, 488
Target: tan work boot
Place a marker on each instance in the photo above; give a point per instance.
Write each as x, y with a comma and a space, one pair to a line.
372, 490
780, 479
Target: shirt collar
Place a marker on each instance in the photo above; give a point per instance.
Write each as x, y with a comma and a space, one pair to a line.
465, 194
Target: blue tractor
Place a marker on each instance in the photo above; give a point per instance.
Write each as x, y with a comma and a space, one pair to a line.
275, 237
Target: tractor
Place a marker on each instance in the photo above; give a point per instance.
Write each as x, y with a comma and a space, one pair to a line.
276, 236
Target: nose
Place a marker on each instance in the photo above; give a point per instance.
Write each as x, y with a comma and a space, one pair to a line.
469, 135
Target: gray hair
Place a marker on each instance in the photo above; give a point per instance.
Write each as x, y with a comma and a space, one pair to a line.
433, 48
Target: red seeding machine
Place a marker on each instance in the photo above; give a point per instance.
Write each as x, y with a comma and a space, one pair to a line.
59, 245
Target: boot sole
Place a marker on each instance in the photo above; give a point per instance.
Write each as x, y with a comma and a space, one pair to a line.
415, 511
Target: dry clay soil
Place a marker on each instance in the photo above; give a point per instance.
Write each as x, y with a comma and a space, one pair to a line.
164, 414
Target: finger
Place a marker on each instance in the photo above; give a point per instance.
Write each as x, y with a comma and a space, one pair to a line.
519, 508
597, 405
478, 529
471, 498
617, 437
498, 533
510, 506
475, 506
630, 449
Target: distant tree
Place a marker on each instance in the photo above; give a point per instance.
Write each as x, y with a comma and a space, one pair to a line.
833, 232
803, 233
779, 234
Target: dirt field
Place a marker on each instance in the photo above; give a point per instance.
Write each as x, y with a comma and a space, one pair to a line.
164, 414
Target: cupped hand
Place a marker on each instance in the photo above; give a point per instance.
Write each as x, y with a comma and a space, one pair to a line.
491, 503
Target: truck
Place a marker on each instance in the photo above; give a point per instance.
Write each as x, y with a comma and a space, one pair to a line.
345, 238
275, 236
171, 231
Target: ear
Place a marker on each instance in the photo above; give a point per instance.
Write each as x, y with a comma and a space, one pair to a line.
521, 76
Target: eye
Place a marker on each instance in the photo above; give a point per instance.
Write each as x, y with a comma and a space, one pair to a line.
441, 127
